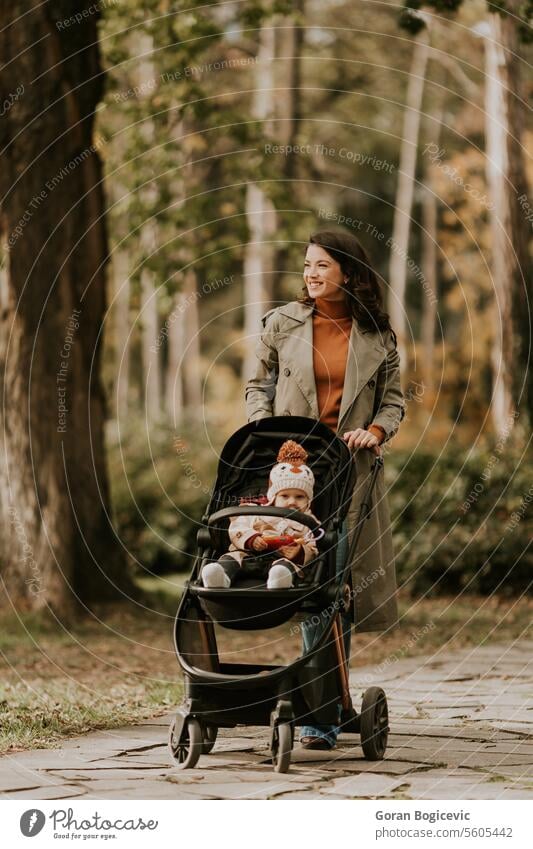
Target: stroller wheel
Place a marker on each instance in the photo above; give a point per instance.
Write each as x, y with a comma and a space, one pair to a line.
281, 746
374, 724
210, 738
187, 749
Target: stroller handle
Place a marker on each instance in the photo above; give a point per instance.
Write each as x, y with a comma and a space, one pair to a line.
254, 510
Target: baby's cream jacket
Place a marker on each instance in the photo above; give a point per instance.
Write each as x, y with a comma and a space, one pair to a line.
242, 528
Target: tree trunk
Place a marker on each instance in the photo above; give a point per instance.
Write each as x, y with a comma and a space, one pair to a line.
289, 100
58, 540
260, 212
429, 298
175, 329
151, 357
404, 194
511, 272
429, 256
289, 116
258, 265
192, 377
122, 336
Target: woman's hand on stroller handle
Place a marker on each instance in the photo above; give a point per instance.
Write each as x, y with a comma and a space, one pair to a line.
361, 438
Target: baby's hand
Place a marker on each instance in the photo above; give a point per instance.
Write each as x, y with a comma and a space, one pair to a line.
259, 544
290, 551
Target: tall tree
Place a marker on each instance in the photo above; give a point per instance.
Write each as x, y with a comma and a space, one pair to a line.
121, 294
508, 25
260, 211
429, 247
404, 193
191, 363
58, 539
176, 330
149, 319
289, 113
506, 179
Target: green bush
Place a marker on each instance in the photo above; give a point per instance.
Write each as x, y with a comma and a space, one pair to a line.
462, 521
159, 492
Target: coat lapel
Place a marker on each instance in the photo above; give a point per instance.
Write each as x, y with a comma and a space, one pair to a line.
302, 370
365, 354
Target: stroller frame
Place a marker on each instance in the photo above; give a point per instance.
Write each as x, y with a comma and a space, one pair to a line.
309, 689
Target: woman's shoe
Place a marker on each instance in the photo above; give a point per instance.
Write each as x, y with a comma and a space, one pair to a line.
316, 743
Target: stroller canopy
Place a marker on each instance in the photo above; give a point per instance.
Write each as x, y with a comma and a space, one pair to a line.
250, 453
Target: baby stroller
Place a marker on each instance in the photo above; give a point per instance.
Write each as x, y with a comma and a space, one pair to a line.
309, 689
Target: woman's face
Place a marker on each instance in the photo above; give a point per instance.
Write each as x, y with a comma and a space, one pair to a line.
323, 275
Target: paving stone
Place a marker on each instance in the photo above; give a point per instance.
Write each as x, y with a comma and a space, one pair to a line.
17, 785
518, 747
223, 776
140, 790
343, 761
362, 786
57, 791
300, 795
474, 786
116, 774
433, 744
522, 771
25, 778
156, 762
461, 728
222, 761
258, 789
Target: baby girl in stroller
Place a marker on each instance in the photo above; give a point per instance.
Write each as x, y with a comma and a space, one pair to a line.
290, 485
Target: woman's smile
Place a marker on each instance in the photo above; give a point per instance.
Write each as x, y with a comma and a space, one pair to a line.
318, 261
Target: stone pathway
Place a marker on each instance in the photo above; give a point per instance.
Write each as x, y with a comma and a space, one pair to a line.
461, 728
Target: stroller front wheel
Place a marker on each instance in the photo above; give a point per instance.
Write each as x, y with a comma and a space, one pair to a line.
209, 739
281, 746
186, 749
374, 724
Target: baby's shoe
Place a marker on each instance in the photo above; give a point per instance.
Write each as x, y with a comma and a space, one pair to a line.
279, 578
213, 576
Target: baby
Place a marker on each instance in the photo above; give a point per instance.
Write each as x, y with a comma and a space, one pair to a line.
290, 485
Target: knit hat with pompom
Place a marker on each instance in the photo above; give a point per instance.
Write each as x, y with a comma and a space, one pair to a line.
290, 472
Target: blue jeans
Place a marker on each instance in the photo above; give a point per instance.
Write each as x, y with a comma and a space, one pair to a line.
311, 633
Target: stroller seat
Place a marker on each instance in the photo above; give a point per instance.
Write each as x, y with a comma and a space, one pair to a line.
248, 605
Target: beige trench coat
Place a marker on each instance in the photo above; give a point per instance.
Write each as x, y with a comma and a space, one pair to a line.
283, 384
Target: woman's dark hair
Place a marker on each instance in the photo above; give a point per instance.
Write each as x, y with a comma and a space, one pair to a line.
363, 291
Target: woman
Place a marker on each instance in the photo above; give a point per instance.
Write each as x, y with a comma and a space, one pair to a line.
331, 355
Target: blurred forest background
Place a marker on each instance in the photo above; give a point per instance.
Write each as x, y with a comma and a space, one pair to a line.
165, 164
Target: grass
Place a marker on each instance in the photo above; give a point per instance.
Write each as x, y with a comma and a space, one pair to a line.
111, 669
117, 666
33, 718
446, 624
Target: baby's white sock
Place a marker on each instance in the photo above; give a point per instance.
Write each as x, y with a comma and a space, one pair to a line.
213, 576
279, 578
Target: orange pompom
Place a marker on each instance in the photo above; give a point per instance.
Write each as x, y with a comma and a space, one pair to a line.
291, 452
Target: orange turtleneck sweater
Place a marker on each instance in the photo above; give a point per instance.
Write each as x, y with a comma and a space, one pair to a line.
332, 324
